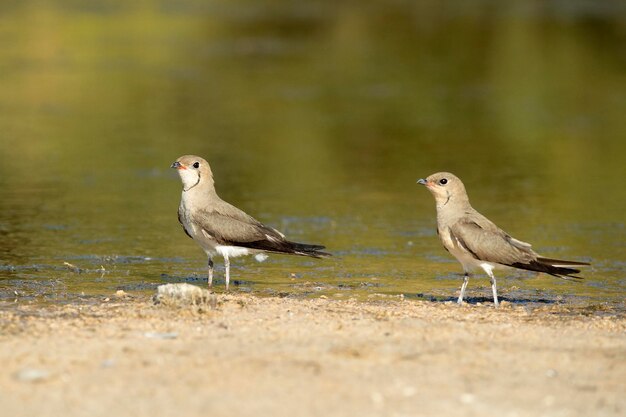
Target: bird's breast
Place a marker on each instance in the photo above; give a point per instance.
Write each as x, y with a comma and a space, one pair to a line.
197, 233
446, 237
453, 246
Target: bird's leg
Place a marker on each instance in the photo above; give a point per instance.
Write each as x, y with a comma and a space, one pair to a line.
210, 273
227, 270
494, 289
463, 286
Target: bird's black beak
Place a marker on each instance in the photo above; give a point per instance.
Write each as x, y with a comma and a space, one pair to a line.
422, 181
175, 165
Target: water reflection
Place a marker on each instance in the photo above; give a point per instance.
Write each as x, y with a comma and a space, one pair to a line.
317, 118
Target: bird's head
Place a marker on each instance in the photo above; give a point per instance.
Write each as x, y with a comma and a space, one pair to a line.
445, 187
193, 171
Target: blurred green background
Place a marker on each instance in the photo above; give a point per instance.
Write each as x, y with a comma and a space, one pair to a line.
317, 118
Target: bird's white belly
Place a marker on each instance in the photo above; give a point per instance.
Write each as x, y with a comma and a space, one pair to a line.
232, 251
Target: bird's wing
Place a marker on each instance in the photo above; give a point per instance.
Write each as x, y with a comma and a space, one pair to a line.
490, 243
247, 232
233, 228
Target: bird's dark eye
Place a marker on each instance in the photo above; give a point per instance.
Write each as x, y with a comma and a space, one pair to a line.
196, 164
443, 181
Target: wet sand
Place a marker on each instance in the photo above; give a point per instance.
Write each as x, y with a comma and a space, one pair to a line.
254, 356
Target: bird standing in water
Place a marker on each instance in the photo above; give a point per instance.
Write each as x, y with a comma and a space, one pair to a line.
221, 228
476, 242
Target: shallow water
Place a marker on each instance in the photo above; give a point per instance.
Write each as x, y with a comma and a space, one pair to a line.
317, 119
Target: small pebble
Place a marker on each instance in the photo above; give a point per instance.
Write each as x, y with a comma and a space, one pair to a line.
32, 375
377, 398
164, 336
108, 363
181, 294
467, 398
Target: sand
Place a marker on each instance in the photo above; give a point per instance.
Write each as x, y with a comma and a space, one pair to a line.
243, 355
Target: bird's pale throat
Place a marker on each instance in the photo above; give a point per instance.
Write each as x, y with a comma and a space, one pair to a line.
197, 182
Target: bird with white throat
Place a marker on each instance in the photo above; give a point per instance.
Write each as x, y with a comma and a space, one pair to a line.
221, 228
476, 242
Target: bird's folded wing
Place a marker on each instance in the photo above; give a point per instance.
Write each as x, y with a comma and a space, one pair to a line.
227, 230
490, 245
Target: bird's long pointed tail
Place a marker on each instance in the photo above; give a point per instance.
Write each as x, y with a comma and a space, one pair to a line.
304, 249
555, 267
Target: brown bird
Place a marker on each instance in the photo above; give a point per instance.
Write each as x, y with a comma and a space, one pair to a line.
475, 241
221, 228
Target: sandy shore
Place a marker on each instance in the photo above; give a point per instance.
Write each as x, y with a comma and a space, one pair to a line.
252, 356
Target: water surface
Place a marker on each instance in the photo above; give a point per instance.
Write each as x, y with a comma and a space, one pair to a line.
317, 118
